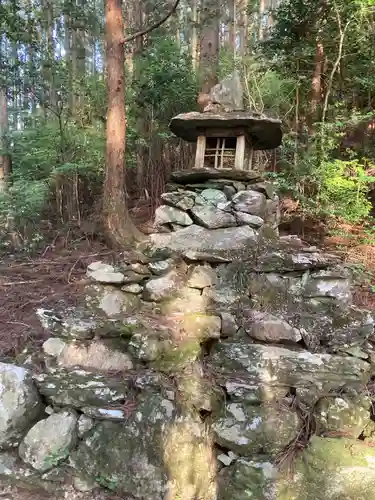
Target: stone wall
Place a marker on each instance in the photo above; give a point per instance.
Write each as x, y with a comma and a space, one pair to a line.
200, 365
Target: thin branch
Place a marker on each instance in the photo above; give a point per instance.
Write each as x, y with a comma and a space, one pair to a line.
336, 63
154, 26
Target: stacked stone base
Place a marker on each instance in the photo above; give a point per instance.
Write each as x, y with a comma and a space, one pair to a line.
199, 364
232, 198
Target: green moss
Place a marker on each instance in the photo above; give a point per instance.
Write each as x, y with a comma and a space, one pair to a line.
176, 357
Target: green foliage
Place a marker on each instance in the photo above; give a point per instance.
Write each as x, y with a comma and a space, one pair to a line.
164, 84
343, 190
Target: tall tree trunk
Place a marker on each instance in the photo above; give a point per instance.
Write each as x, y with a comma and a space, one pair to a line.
243, 24
5, 159
117, 223
233, 26
316, 86
210, 44
262, 8
194, 34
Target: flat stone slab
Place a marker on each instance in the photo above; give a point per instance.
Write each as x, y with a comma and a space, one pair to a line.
216, 245
204, 174
263, 132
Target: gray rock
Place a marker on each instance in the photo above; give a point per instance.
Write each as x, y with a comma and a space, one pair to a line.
270, 366
161, 267
197, 243
228, 94
229, 326
50, 441
84, 485
20, 404
96, 356
179, 199
104, 273
325, 285
267, 188
145, 347
161, 288
211, 217
269, 328
248, 219
246, 429
129, 458
248, 480
78, 388
208, 174
214, 196
202, 276
331, 469
85, 424
250, 202
135, 288
347, 415
166, 214
229, 191
111, 301
111, 414
106, 277
73, 323
131, 276
140, 268
53, 346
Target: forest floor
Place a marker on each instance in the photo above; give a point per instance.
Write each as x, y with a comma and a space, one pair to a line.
58, 274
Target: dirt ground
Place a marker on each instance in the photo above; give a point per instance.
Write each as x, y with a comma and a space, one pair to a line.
56, 275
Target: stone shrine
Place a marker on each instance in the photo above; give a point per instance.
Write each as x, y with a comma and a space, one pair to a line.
226, 135
200, 365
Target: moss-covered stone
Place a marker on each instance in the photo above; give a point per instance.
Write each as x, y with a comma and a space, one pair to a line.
247, 479
246, 429
348, 415
331, 469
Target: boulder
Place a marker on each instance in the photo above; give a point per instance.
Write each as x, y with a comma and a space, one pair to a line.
246, 429
166, 214
229, 325
248, 479
201, 277
328, 284
250, 202
135, 288
211, 217
96, 355
110, 301
104, 273
331, 469
50, 441
179, 199
75, 323
346, 414
161, 267
20, 404
269, 328
78, 388
85, 424
198, 243
213, 196
164, 287
247, 219
128, 458
267, 367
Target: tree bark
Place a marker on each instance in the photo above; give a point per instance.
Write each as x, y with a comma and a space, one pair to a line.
5, 159
210, 44
118, 226
316, 86
194, 33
